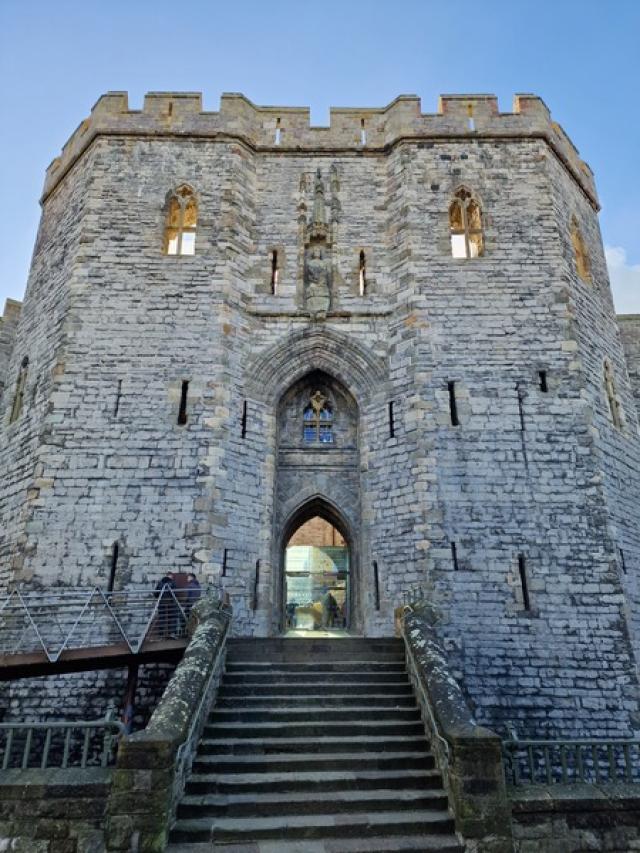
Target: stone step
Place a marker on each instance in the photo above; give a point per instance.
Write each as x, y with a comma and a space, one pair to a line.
294, 745
399, 755
268, 700
310, 826
314, 730
299, 780
316, 668
362, 713
289, 688
278, 676
393, 844
312, 648
317, 803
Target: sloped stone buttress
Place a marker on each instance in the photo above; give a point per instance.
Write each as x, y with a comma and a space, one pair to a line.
314, 746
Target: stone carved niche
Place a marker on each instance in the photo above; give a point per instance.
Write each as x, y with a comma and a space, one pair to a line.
319, 239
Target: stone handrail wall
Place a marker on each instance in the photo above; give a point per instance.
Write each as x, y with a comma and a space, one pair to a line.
459, 116
471, 762
153, 765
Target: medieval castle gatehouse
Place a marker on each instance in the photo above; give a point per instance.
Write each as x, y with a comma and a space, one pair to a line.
400, 324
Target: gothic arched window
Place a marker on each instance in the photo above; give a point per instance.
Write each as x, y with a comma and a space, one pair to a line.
318, 420
465, 225
182, 217
583, 264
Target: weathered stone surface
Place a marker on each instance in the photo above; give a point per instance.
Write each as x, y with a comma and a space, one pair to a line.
110, 322
576, 818
471, 760
152, 765
53, 811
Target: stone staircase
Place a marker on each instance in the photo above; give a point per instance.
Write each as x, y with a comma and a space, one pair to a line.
314, 746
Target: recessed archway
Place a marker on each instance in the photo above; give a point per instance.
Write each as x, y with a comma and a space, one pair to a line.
318, 474
317, 560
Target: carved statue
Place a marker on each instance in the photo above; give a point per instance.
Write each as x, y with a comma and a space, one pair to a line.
317, 281
319, 219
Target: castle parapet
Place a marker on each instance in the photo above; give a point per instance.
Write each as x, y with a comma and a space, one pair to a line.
289, 128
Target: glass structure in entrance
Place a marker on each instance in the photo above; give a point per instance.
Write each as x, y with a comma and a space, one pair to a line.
317, 578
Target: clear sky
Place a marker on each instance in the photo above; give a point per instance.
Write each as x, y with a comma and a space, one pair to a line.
581, 56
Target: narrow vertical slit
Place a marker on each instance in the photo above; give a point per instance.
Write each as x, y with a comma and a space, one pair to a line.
376, 584
453, 406
274, 272
116, 408
363, 133
362, 274
184, 394
278, 132
622, 561
392, 424
470, 120
170, 110
255, 586
224, 563
243, 421
522, 569
542, 376
115, 553
454, 556
520, 406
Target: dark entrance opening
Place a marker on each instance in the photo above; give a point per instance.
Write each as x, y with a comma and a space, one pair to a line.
317, 592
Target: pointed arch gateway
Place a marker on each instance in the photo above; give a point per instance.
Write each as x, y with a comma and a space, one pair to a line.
317, 492
318, 555
340, 383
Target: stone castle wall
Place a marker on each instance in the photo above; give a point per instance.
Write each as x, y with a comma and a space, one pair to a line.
8, 328
531, 481
630, 332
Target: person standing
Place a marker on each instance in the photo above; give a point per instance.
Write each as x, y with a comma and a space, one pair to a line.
194, 592
167, 611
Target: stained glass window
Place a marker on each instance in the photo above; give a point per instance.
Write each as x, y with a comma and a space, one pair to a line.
318, 420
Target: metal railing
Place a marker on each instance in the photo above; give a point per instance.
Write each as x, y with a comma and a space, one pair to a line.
56, 620
60, 744
413, 596
551, 762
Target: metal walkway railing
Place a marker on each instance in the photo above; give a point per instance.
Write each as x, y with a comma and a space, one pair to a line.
58, 621
551, 762
77, 743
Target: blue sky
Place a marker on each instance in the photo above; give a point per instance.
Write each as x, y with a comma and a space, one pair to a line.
583, 58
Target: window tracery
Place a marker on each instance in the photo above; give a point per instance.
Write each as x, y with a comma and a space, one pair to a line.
182, 217
465, 225
318, 420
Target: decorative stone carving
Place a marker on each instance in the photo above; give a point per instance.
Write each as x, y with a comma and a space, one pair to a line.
318, 264
317, 281
319, 219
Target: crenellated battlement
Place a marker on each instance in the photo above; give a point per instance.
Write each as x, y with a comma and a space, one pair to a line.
289, 129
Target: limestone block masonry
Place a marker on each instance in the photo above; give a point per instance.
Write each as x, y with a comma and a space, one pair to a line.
485, 436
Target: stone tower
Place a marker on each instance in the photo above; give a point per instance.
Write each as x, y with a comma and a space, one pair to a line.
429, 291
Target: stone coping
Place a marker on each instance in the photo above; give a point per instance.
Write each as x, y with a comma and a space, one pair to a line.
579, 798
